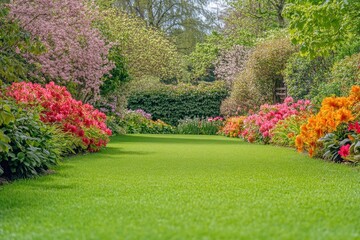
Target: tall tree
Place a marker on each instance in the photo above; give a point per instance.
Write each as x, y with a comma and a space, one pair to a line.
14, 43
186, 21
146, 51
246, 20
321, 27
75, 52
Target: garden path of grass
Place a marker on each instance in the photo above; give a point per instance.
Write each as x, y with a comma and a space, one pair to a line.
185, 187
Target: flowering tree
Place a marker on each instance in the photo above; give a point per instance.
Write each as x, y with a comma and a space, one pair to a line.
76, 53
230, 63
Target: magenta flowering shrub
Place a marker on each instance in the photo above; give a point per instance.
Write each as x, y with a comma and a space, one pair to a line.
257, 127
75, 52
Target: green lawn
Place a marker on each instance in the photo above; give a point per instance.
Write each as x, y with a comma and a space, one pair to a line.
185, 187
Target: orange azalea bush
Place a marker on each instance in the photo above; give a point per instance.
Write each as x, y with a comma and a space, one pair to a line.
233, 126
333, 112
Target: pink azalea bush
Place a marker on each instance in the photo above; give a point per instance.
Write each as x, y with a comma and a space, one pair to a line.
58, 107
258, 126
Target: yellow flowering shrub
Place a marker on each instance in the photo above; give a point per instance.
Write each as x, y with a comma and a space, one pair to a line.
333, 112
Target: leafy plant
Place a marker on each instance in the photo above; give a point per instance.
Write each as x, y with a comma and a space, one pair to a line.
344, 74
31, 149
320, 27
197, 126
140, 122
6, 117
303, 75
285, 131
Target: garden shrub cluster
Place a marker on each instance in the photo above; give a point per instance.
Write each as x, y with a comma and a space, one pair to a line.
336, 125
260, 76
140, 122
58, 107
197, 126
173, 103
39, 125
332, 133
233, 126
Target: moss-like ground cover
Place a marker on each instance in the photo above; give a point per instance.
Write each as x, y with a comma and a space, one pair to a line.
185, 187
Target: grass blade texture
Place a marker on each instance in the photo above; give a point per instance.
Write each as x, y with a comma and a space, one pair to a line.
185, 187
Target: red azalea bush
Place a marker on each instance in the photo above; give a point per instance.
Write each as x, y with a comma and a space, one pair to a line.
258, 126
80, 119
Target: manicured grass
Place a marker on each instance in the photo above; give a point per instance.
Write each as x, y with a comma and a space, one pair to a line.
185, 187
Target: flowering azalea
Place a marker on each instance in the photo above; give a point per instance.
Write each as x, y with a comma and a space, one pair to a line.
259, 125
82, 120
333, 112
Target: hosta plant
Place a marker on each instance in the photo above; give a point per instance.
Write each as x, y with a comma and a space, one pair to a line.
31, 146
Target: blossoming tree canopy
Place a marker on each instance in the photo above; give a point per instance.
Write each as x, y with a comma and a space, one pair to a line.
75, 52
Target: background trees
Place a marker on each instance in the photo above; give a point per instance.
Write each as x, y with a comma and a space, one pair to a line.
187, 22
323, 27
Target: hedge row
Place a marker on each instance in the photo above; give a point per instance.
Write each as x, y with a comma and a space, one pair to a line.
173, 103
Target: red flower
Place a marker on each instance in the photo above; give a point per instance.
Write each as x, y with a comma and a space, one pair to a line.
344, 151
59, 107
354, 127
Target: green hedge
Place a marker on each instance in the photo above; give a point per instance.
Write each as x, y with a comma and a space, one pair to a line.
173, 103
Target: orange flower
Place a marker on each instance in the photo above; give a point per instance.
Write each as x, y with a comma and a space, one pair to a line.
333, 112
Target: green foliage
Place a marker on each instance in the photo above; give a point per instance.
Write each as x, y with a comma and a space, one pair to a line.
118, 75
343, 75
113, 123
321, 27
303, 76
285, 131
331, 146
13, 43
197, 126
6, 117
263, 73
31, 149
136, 123
202, 59
248, 20
172, 103
147, 51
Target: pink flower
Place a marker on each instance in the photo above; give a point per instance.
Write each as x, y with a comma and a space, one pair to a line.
344, 151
